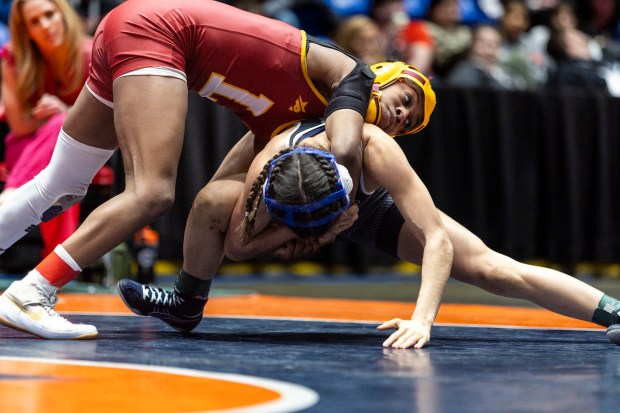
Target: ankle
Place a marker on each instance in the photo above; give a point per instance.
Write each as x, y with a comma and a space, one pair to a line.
607, 312
35, 278
58, 268
188, 285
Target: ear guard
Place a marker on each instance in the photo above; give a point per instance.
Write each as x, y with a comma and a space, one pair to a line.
388, 73
291, 210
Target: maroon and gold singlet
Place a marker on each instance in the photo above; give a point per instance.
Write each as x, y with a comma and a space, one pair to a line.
251, 64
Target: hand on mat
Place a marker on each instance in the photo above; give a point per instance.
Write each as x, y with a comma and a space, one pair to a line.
409, 333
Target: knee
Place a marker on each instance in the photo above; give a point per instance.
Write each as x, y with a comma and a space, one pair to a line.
54, 187
206, 200
497, 274
217, 199
156, 202
482, 269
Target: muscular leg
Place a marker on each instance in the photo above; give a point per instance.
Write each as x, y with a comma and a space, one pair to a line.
475, 263
203, 245
65, 180
203, 249
74, 162
149, 119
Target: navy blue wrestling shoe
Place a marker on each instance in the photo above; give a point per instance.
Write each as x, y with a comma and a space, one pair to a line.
181, 312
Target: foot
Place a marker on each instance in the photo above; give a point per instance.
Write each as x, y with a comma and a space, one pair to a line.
30, 308
181, 312
613, 334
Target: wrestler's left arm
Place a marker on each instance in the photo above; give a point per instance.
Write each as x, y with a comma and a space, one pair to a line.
386, 165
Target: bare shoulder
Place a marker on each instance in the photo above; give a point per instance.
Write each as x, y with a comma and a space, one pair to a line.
327, 66
374, 132
274, 146
375, 139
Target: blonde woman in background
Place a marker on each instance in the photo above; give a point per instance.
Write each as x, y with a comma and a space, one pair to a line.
44, 67
360, 35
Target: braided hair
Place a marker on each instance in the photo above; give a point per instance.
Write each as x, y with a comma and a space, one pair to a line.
298, 179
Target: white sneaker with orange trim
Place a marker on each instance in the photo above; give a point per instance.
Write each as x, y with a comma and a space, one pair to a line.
30, 307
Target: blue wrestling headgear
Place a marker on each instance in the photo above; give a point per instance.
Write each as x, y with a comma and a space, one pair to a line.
288, 212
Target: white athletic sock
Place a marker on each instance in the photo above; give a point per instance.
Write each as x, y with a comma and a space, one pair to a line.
62, 253
69, 173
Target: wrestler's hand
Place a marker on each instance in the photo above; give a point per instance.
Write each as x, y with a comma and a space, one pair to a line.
298, 248
409, 333
342, 223
48, 105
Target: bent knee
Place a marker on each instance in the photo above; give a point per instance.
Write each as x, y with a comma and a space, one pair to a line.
217, 196
155, 203
206, 199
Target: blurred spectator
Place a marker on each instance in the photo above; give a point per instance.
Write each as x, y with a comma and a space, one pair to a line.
540, 10
313, 16
93, 11
44, 67
451, 38
419, 46
480, 68
561, 17
600, 20
402, 38
391, 18
599, 17
360, 35
520, 59
574, 64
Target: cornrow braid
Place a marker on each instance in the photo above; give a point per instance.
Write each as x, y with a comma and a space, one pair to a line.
302, 179
246, 228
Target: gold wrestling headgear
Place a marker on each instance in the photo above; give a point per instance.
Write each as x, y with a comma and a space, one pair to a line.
388, 73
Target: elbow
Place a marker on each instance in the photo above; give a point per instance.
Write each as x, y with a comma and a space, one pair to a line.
347, 155
350, 158
234, 255
234, 248
442, 245
447, 247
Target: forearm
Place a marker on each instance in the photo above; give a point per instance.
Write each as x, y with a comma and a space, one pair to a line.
344, 129
436, 266
262, 243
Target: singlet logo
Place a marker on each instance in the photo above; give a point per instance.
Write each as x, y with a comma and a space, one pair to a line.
299, 106
216, 85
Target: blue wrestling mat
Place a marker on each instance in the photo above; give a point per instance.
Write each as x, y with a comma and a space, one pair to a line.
336, 367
